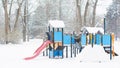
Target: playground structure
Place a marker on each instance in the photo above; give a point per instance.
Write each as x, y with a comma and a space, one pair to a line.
59, 44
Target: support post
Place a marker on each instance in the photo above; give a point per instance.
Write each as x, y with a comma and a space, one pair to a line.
66, 51
110, 47
43, 53
104, 26
113, 37
74, 51
92, 40
62, 43
77, 50
53, 42
49, 44
46, 51
71, 45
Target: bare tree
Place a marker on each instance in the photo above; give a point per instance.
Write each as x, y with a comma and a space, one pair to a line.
78, 14
94, 13
60, 9
18, 14
47, 10
10, 13
28, 8
25, 21
5, 5
85, 12
7, 17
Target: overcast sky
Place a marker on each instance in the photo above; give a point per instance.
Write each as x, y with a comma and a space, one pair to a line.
102, 6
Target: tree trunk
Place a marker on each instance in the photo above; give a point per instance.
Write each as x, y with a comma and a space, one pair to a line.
78, 14
6, 20
94, 14
16, 20
47, 10
27, 26
24, 25
17, 16
10, 13
85, 13
59, 9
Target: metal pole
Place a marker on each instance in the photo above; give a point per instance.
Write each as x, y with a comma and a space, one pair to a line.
49, 44
71, 45
104, 26
43, 53
53, 42
77, 50
62, 43
46, 51
66, 51
92, 40
74, 51
110, 47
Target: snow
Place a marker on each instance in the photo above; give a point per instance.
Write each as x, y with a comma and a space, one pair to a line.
12, 57
56, 23
94, 30
95, 53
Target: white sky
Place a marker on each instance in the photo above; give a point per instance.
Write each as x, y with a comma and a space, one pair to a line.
102, 6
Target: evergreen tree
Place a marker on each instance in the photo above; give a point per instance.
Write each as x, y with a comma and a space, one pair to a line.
113, 18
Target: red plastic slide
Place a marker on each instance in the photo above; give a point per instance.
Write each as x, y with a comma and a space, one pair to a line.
37, 52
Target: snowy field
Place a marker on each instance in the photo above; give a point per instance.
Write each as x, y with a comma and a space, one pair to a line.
11, 56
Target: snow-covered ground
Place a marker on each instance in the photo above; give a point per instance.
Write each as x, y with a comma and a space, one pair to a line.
11, 56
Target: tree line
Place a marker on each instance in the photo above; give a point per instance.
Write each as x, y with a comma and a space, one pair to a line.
23, 18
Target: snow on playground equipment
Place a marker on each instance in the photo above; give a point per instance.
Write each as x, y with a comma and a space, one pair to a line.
59, 37
108, 44
57, 49
68, 42
58, 41
107, 41
98, 39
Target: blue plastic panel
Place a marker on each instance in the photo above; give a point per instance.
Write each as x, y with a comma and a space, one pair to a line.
106, 40
58, 36
58, 52
98, 39
73, 40
67, 39
83, 39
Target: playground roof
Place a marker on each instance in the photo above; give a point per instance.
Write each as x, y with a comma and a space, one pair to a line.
93, 29
56, 23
